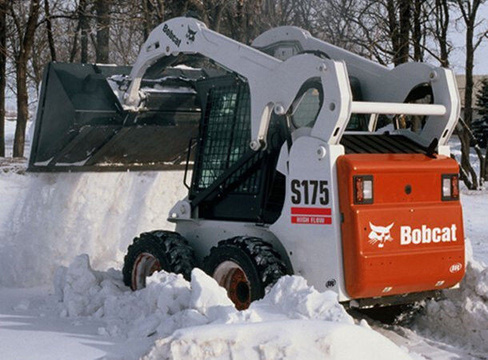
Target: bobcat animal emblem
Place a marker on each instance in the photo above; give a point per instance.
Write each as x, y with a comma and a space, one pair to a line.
380, 234
190, 35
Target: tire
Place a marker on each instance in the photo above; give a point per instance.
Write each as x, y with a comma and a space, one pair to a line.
244, 266
156, 251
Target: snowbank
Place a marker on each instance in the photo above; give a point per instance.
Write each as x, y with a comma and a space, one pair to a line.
47, 219
293, 321
462, 318
288, 339
475, 208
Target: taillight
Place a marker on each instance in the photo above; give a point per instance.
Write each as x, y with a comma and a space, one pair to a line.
450, 187
363, 189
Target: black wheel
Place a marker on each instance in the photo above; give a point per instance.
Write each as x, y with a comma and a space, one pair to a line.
244, 266
156, 251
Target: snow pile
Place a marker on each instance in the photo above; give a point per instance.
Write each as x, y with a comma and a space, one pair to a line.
47, 219
311, 325
462, 318
166, 304
293, 298
288, 339
293, 321
169, 302
475, 207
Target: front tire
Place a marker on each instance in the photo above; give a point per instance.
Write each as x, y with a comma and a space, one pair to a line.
244, 266
156, 251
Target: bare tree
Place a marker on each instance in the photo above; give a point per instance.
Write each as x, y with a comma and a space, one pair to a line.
49, 29
153, 14
378, 29
347, 24
405, 11
210, 11
469, 14
84, 28
25, 34
3, 71
102, 8
82, 31
441, 26
419, 20
244, 20
128, 30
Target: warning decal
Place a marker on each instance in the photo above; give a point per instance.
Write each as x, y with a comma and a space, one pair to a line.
312, 216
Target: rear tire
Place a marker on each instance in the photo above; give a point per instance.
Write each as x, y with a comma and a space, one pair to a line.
244, 266
156, 251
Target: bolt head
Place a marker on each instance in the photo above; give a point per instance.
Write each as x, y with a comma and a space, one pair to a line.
255, 145
321, 152
279, 109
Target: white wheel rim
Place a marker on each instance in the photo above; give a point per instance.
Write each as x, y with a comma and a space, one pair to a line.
232, 277
145, 265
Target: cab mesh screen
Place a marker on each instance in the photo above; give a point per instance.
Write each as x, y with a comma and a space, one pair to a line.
226, 133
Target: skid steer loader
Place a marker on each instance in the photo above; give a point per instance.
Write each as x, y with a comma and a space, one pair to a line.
308, 160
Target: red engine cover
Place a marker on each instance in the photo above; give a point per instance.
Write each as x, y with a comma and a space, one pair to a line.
408, 239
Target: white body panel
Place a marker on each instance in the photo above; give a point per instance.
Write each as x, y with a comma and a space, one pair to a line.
315, 250
310, 250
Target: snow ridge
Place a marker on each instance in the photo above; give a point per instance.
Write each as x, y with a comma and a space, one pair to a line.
47, 219
312, 325
462, 317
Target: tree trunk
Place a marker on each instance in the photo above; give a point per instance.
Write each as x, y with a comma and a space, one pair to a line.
417, 31
3, 64
202, 11
84, 26
393, 31
217, 17
74, 49
404, 36
468, 94
103, 30
442, 25
469, 12
22, 110
49, 28
21, 67
467, 137
468, 98
485, 165
147, 9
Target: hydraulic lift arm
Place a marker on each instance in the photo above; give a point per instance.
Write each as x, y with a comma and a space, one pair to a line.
273, 83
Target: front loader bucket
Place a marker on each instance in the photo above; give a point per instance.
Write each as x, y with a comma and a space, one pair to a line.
81, 125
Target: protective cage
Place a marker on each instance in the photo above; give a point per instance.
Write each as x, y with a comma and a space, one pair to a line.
230, 181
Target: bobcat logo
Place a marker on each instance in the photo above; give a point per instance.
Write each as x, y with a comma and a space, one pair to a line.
190, 35
380, 234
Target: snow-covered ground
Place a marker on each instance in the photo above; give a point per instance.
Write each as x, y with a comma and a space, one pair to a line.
62, 241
